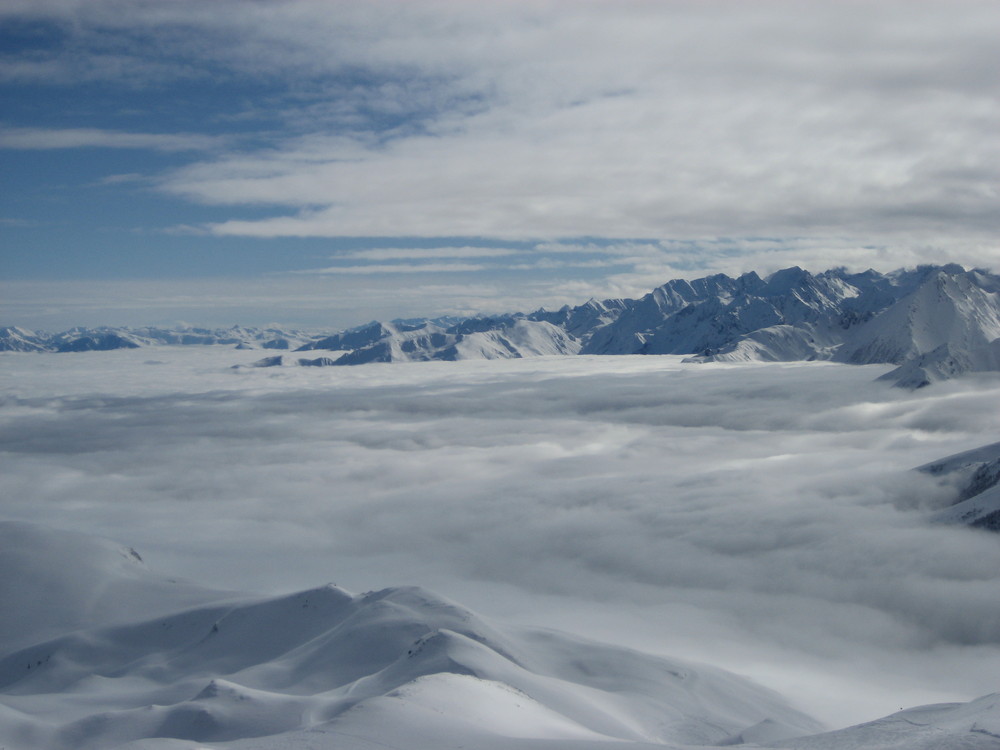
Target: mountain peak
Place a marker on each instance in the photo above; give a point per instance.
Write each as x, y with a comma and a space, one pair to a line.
783, 281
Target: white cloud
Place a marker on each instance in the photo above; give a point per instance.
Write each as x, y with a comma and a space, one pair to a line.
759, 517
729, 138
657, 121
534, 120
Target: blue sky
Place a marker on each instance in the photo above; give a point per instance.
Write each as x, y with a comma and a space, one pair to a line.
324, 163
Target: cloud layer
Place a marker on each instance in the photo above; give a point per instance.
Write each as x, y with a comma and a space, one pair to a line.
761, 517
528, 119
567, 150
649, 120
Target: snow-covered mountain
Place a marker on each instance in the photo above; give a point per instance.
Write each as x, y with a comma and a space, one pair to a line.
974, 476
950, 307
934, 322
504, 337
98, 652
174, 661
15, 339
946, 361
106, 338
938, 321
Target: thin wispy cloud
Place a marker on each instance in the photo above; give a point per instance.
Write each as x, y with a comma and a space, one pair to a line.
324, 302
45, 139
412, 253
547, 263
390, 268
120, 179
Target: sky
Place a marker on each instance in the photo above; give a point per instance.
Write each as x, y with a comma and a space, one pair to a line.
321, 164
763, 518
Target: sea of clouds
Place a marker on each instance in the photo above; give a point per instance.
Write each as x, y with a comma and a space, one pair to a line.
763, 518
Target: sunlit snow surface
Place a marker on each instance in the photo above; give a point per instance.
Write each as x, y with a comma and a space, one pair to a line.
760, 518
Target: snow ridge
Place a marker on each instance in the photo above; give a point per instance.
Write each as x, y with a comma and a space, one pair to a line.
178, 667
336, 664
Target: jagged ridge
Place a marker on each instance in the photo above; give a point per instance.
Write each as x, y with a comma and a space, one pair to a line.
934, 322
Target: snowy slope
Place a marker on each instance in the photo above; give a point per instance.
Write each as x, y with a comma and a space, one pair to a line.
397, 668
948, 308
779, 343
981, 511
15, 339
402, 660
948, 726
99, 342
520, 338
950, 360
583, 320
508, 337
936, 322
725, 319
670, 316
975, 478
54, 582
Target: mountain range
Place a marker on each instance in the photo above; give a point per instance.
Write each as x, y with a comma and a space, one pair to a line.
933, 322
105, 338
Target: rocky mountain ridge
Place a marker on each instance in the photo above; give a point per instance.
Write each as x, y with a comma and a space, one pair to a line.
934, 322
